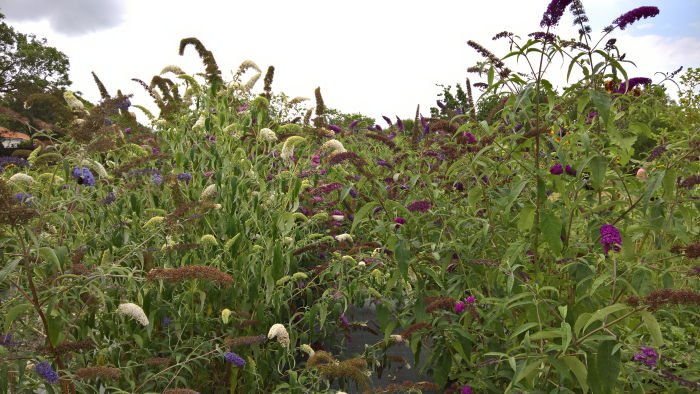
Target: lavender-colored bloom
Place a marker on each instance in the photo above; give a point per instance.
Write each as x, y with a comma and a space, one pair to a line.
125, 104
110, 198
354, 193
460, 306
470, 137
569, 170
591, 115
636, 14
166, 321
399, 124
419, 206
6, 161
466, 389
460, 111
424, 124
84, 176
155, 150
382, 162
335, 128
184, 177
610, 238
441, 104
157, 179
378, 128
631, 84
556, 169
387, 120
127, 130
647, 356
242, 108
353, 124
554, 12
6, 340
234, 359
343, 321
23, 198
316, 159
44, 370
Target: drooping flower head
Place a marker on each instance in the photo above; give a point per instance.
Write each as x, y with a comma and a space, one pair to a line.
399, 124
636, 14
84, 176
631, 84
647, 356
419, 206
387, 120
278, 331
353, 124
554, 12
44, 370
268, 135
135, 312
234, 359
610, 238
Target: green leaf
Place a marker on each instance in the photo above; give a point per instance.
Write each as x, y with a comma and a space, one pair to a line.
579, 370
15, 312
7, 270
653, 327
526, 218
50, 257
601, 100
598, 166
566, 336
403, 256
551, 229
546, 334
604, 368
605, 312
362, 214
527, 371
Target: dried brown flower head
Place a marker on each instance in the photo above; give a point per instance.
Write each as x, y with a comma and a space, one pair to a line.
98, 372
438, 303
157, 361
658, 298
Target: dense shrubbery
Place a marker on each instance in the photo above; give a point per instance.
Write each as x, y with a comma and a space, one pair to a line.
545, 244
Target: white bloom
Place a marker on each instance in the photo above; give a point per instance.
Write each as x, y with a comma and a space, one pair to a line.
209, 191
21, 177
288, 147
338, 217
396, 338
362, 264
134, 311
334, 145
249, 64
171, 69
298, 99
199, 125
73, 103
99, 168
307, 349
251, 82
278, 331
225, 315
343, 237
268, 135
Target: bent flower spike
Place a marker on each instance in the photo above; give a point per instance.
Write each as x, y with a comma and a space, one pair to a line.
135, 312
278, 331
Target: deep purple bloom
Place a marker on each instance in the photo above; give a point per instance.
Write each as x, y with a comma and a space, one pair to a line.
399, 221
110, 198
108, 122
83, 176
234, 359
424, 124
335, 128
610, 238
382, 162
353, 124
327, 188
44, 370
555, 10
459, 186
647, 356
419, 206
591, 115
184, 177
211, 138
316, 159
485, 179
155, 150
399, 124
466, 389
631, 84
127, 130
518, 127
441, 104
636, 14
556, 169
125, 104
243, 108
470, 137
157, 179
569, 170
378, 128
471, 300
387, 120
354, 193
459, 307
166, 321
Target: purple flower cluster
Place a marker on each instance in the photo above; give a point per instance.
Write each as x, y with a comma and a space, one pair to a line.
343, 321
636, 14
125, 104
353, 124
419, 206
84, 176
569, 170
157, 179
556, 169
6, 161
554, 12
234, 359
399, 222
647, 356
610, 238
631, 84
467, 389
184, 177
46, 372
470, 137
23, 198
335, 128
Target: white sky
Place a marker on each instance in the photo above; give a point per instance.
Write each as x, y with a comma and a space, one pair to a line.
379, 57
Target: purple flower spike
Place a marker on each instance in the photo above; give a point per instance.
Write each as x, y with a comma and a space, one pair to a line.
555, 10
647, 356
45, 370
466, 389
234, 359
335, 128
378, 128
459, 307
353, 124
631, 84
470, 137
636, 14
387, 120
420, 206
84, 176
441, 104
569, 170
399, 124
610, 238
424, 123
556, 169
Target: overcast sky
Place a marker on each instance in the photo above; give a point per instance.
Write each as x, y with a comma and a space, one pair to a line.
377, 57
